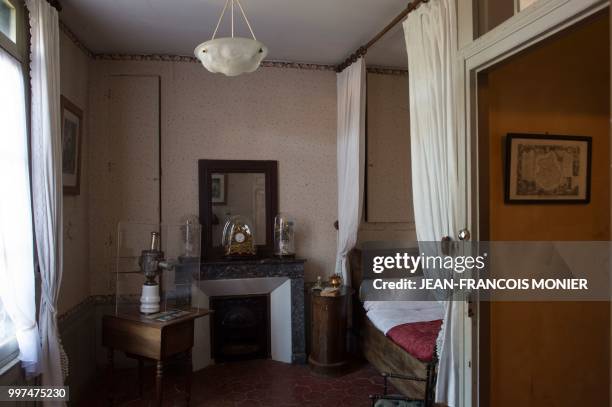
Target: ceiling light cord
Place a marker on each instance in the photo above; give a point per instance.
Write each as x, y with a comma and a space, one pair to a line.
232, 18
246, 20
220, 18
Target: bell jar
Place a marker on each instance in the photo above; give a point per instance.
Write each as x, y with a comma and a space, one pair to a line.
284, 236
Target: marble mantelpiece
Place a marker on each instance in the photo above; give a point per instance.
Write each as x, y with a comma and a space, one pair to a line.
290, 268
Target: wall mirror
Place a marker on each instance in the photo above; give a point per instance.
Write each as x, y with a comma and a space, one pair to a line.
237, 187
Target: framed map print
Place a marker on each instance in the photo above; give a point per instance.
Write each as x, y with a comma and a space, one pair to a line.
72, 124
548, 169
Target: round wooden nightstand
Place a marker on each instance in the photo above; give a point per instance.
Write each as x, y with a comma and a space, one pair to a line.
328, 331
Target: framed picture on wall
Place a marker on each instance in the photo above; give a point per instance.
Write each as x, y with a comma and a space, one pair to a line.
219, 193
72, 133
548, 169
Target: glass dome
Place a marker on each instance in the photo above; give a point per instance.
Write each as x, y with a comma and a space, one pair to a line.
284, 235
190, 236
238, 237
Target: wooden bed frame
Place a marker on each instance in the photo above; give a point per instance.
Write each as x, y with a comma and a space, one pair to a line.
413, 378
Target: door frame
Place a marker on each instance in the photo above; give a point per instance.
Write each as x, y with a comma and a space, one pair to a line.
525, 29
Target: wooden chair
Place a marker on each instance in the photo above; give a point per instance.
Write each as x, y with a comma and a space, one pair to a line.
398, 400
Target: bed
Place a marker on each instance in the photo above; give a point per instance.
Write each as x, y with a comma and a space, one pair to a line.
398, 338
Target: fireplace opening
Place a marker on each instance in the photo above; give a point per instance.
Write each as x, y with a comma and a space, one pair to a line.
240, 328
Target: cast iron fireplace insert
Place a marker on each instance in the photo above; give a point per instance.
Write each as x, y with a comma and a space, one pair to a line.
240, 328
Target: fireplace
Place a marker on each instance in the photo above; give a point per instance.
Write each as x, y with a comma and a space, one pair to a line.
240, 327
281, 280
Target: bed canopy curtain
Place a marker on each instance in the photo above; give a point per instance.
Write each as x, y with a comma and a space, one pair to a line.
351, 83
430, 33
47, 180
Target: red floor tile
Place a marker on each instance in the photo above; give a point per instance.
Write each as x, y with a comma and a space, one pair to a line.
257, 383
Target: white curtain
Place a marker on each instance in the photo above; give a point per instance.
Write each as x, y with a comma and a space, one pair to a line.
47, 179
351, 156
16, 238
439, 210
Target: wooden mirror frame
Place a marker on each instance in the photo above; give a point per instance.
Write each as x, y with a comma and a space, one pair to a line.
205, 170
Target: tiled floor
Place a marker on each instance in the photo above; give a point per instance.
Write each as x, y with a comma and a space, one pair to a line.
251, 383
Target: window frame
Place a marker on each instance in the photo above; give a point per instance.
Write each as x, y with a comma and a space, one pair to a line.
18, 48
9, 354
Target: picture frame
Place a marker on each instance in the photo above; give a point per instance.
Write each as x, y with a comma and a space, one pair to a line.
72, 135
218, 189
547, 169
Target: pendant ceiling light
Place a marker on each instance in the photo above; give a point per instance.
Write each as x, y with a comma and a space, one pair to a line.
231, 56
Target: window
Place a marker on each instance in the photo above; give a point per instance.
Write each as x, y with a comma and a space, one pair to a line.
8, 344
12, 28
8, 20
16, 243
491, 13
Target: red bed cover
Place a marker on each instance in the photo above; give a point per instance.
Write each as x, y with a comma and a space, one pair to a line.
417, 338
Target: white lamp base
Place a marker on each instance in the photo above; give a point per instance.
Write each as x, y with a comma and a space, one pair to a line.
149, 300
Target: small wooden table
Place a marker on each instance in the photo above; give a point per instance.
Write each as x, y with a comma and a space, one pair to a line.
328, 332
143, 338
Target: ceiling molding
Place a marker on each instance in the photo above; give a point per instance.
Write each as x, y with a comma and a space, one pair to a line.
298, 65
190, 59
146, 57
179, 58
64, 28
379, 70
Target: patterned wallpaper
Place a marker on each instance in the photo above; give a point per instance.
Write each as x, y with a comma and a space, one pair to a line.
287, 115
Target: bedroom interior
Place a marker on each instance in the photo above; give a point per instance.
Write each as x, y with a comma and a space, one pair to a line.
197, 189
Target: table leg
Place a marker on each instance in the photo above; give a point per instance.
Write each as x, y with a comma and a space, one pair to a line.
140, 369
110, 367
159, 382
189, 376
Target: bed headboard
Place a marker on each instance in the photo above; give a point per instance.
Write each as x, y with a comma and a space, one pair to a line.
355, 266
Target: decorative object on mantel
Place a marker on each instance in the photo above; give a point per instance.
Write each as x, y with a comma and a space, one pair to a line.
335, 280
284, 236
191, 236
318, 285
548, 169
234, 55
238, 238
72, 133
188, 260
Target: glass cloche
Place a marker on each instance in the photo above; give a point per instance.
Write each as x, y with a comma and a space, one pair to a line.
284, 235
238, 239
190, 236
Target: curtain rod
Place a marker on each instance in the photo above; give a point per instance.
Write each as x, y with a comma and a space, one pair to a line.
361, 51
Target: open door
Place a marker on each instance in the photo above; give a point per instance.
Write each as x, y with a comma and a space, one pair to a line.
548, 72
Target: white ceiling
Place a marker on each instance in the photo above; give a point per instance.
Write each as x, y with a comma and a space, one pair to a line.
314, 31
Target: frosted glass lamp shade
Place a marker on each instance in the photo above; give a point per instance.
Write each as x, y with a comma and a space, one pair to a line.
231, 56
